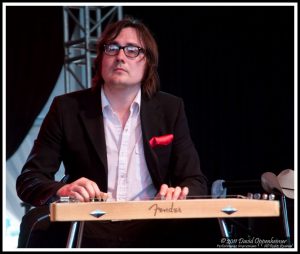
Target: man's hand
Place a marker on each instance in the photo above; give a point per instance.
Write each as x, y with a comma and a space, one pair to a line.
83, 190
171, 193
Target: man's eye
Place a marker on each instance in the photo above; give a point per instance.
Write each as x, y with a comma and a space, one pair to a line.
113, 47
132, 49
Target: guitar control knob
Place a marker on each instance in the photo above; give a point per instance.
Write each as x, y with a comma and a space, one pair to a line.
257, 196
271, 196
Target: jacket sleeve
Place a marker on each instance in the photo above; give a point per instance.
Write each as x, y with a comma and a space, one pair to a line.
185, 160
36, 184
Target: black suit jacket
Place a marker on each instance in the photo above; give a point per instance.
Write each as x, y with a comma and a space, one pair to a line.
73, 133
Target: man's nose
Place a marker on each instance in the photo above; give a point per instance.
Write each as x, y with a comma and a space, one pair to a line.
121, 55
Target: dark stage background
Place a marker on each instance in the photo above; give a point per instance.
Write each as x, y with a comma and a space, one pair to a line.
233, 66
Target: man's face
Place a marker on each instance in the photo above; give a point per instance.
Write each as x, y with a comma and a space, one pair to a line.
120, 70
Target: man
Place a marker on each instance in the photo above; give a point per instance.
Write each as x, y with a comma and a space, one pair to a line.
121, 139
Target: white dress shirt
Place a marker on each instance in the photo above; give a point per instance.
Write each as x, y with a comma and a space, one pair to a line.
128, 175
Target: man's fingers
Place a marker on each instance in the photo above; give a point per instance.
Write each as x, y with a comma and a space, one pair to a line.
75, 195
176, 193
163, 190
90, 189
184, 193
83, 189
104, 196
170, 192
96, 190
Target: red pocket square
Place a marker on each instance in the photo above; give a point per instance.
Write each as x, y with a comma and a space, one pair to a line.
161, 140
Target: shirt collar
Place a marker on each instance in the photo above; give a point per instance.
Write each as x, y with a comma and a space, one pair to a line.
104, 100
135, 105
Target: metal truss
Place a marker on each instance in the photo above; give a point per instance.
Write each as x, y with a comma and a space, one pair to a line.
82, 28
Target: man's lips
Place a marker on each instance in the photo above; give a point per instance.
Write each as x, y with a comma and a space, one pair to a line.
119, 69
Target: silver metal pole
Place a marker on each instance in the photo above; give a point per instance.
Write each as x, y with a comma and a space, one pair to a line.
72, 233
285, 220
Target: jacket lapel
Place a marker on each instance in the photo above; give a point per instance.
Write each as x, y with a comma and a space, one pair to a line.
92, 119
151, 118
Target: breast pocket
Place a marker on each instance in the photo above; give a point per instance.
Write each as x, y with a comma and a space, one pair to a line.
164, 151
163, 154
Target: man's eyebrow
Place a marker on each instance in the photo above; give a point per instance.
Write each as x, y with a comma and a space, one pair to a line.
127, 44
133, 44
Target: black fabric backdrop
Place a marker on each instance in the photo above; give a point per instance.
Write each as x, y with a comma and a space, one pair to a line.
34, 58
233, 66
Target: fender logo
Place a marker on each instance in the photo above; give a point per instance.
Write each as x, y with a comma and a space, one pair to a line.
157, 210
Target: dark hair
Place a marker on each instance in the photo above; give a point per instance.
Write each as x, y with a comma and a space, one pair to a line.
150, 81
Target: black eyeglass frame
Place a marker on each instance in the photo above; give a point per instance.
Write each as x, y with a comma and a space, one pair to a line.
124, 49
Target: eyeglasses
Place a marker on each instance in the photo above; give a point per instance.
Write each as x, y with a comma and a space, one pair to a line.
130, 50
